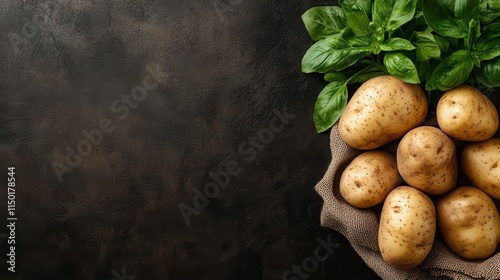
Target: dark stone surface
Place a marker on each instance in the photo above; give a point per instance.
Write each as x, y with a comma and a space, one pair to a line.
230, 98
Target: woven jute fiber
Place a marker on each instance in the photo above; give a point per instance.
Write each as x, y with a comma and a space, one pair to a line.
360, 227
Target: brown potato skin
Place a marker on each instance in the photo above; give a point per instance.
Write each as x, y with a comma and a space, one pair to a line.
427, 160
382, 110
469, 222
369, 178
407, 227
481, 164
465, 113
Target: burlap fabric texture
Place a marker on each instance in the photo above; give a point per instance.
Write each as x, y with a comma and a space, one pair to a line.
360, 227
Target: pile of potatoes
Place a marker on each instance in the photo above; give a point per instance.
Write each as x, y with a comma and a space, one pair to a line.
417, 185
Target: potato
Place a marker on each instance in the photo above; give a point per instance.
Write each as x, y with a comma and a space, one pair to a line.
469, 222
465, 113
383, 109
369, 178
407, 227
480, 162
427, 160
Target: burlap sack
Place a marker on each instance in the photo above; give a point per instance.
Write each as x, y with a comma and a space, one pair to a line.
360, 227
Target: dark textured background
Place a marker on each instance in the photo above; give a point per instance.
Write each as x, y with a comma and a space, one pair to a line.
227, 66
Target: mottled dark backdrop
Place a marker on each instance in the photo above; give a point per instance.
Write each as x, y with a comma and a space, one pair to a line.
120, 117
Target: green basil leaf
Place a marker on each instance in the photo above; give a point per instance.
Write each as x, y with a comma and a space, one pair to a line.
399, 65
422, 69
417, 24
431, 68
356, 41
488, 44
440, 16
361, 78
466, 10
357, 12
489, 10
490, 31
426, 45
474, 34
410, 28
396, 44
335, 77
444, 45
489, 73
324, 21
370, 72
392, 14
357, 5
359, 22
453, 71
376, 31
335, 53
330, 105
